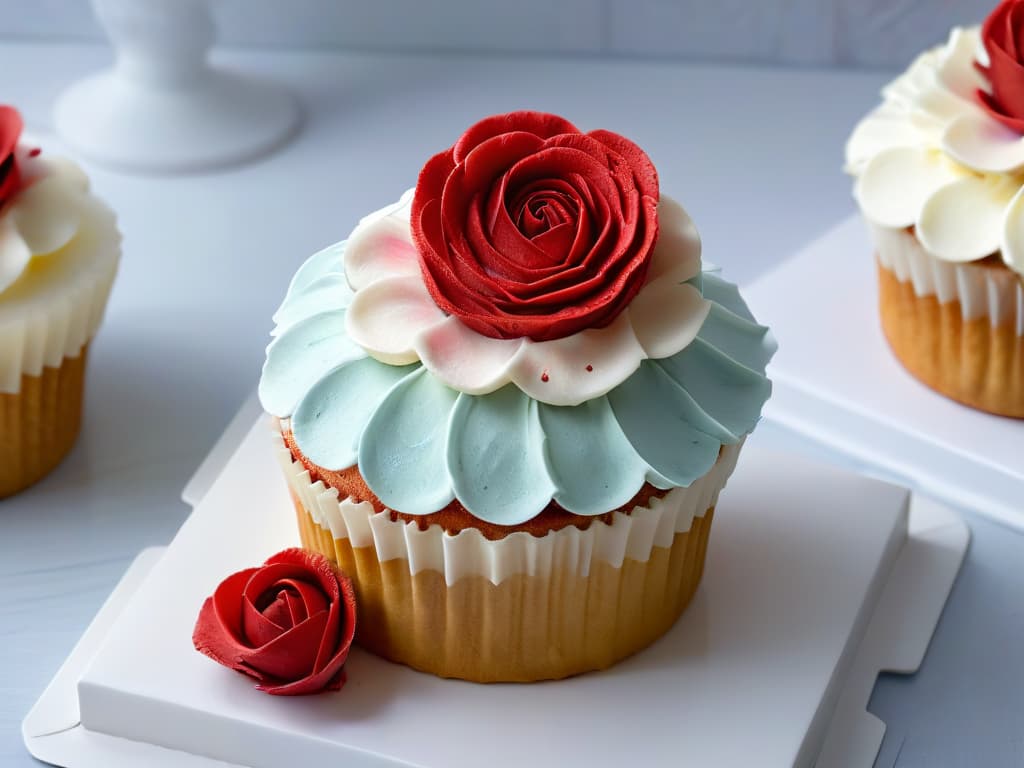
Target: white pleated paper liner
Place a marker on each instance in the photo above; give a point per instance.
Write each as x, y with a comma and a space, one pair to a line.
469, 552
979, 290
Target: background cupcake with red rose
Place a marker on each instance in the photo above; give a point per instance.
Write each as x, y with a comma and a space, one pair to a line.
506, 405
59, 251
939, 167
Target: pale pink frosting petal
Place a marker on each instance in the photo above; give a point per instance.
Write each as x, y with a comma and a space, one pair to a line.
386, 316
577, 368
979, 142
1012, 245
667, 316
962, 221
380, 247
464, 359
896, 183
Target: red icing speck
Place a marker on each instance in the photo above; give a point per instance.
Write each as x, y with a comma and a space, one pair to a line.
590, 368
34, 152
544, 376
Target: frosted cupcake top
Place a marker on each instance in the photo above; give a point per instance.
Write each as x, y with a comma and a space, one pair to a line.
531, 323
944, 152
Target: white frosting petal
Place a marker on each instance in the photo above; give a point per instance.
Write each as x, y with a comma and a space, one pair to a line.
981, 143
556, 372
666, 316
378, 248
43, 216
677, 252
464, 359
884, 128
962, 221
1012, 244
14, 252
386, 316
956, 70
896, 183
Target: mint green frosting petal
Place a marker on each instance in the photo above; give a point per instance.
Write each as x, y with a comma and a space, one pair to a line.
496, 457
744, 341
592, 464
325, 262
330, 418
728, 392
651, 409
725, 293
403, 449
326, 293
299, 358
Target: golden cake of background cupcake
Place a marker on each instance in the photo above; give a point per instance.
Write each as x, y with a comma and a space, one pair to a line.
59, 251
939, 168
506, 405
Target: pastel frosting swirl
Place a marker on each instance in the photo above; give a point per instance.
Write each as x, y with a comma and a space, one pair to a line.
430, 415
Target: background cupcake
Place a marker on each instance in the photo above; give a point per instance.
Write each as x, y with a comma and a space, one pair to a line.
507, 405
59, 250
938, 170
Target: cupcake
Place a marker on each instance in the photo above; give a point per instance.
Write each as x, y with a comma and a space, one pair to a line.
506, 405
59, 250
939, 167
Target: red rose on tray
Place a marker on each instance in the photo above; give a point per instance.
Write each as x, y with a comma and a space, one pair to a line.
289, 624
1003, 37
10, 132
528, 227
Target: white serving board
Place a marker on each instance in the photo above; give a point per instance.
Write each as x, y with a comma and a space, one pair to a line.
812, 586
837, 382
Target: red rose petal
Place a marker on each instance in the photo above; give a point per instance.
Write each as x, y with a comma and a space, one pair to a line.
541, 124
1003, 37
996, 113
259, 628
11, 126
218, 632
292, 654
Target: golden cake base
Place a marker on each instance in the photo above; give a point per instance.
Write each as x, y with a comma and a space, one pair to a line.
39, 424
524, 629
968, 361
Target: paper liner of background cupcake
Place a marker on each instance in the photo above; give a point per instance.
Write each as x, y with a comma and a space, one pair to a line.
939, 167
505, 407
59, 251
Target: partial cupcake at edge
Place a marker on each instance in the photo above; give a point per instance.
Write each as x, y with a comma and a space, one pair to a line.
506, 405
59, 252
939, 170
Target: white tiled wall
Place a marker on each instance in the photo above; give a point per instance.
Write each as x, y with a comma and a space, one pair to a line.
868, 33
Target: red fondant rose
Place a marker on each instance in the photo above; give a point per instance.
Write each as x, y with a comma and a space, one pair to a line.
10, 131
1003, 37
527, 227
289, 624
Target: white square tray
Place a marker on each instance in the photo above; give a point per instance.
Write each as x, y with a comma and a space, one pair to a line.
813, 585
837, 382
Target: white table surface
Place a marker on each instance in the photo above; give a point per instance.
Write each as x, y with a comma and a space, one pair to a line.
753, 154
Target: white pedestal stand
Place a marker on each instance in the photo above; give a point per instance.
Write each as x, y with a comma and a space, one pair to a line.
162, 108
